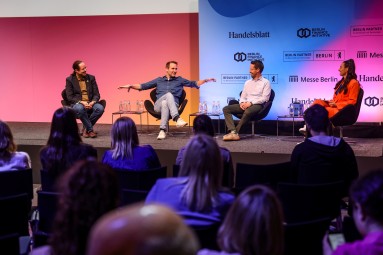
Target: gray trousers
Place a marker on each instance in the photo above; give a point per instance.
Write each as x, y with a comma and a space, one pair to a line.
229, 110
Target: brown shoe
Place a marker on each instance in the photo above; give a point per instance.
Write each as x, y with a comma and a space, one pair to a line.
85, 134
231, 137
92, 134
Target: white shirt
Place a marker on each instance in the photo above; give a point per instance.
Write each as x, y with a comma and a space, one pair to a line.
256, 91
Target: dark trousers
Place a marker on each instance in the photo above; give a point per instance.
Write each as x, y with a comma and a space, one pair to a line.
229, 110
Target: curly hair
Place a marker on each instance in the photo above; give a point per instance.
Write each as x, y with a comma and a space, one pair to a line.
87, 191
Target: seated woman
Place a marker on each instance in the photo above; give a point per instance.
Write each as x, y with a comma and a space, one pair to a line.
367, 204
126, 152
87, 191
64, 146
196, 194
253, 225
203, 125
346, 91
10, 159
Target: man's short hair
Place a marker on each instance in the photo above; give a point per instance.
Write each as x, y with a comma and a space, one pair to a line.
258, 65
170, 62
316, 117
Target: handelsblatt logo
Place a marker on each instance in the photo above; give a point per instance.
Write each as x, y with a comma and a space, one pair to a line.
371, 101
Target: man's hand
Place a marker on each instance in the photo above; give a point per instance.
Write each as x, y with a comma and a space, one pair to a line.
128, 86
245, 105
210, 79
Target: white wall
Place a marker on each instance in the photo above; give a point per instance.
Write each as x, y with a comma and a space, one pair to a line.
42, 8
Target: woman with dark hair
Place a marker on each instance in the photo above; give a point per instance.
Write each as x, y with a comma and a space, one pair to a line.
253, 225
346, 90
10, 159
87, 191
367, 211
196, 194
64, 146
126, 153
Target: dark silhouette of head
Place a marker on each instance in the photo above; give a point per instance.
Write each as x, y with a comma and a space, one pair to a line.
124, 138
316, 118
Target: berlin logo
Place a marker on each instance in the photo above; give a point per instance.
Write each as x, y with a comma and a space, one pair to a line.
239, 56
303, 33
371, 101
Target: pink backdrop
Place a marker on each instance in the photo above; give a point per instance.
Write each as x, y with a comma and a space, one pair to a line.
37, 55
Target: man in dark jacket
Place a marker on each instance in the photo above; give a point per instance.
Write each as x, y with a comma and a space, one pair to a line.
83, 95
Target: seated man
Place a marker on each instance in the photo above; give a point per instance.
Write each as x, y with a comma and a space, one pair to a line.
142, 230
169, 91
322, 158
83, 95
255, 93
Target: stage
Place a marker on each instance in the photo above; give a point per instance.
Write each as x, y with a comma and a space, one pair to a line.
265, 149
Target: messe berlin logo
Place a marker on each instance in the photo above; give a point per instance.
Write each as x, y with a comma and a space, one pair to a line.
371, 101
364, 54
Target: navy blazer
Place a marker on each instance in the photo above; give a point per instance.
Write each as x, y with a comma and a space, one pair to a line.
73, 91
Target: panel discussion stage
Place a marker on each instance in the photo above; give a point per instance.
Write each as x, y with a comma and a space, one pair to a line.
366, 141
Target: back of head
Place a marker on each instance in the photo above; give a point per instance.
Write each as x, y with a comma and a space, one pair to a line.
254, 224
7, 145
367, 191
202, 164
142, 230
316, 117
87, 190
124, 138
64, 129
203, 124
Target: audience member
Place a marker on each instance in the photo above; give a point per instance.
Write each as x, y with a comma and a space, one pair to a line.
169, 91
196, 194
203, 125
367, 201
255, 93
126, 152
87, 191
142, 230
83, 94
64, 146
322, 158
346, 91
10, 159
253, 225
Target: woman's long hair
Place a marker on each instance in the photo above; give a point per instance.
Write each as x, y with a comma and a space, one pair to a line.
124, 138
254, 224
7, 145
202, 165
87, 191
63, 135
342, 85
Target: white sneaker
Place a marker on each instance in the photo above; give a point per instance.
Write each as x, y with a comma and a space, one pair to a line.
161, 135
181, 122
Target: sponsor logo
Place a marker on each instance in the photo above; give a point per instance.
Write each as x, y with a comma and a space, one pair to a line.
303, 101
371, 101
365, 54
251, 35
313, 32
303, 79
251, 56
242, 78
316, 55
367, 30
372, 78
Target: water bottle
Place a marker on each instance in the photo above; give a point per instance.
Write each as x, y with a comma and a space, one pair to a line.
291, 110
128, 106
218, 107
214, 108
121, 106
141, 106
137, 106
205, 107
200, 107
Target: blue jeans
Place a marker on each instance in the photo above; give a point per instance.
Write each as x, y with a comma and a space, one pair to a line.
88, 121
167, 107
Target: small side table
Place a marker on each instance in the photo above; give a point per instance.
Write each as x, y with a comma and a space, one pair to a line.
288, 117
136, 113
210, 114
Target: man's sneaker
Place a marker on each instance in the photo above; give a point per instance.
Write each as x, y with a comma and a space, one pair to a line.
303, 130
85, 134
232, 136
181, 122
161, 135
92, 134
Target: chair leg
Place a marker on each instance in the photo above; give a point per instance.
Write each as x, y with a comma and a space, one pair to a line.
341, 132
